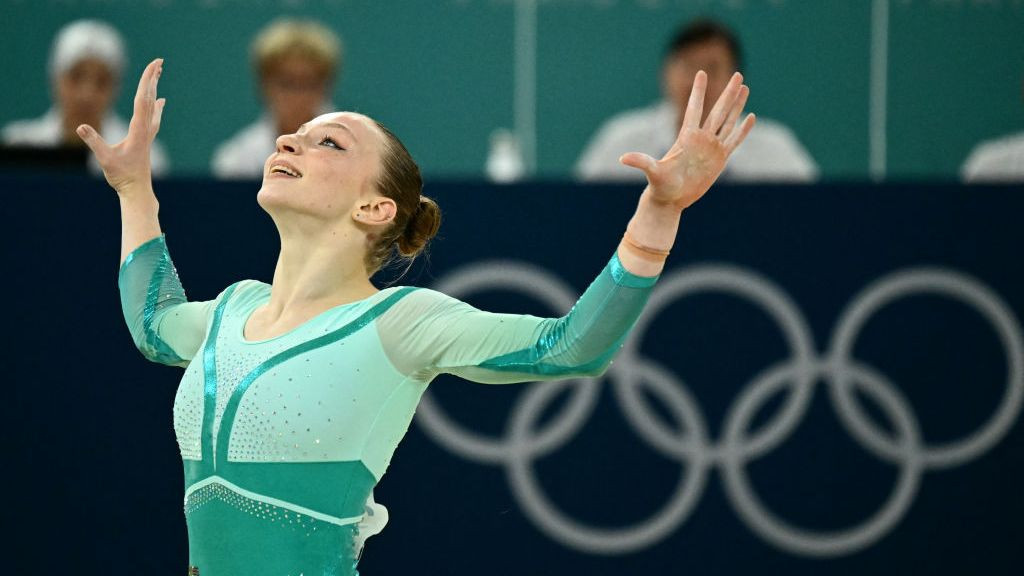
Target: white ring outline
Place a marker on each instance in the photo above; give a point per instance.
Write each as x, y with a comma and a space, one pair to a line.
558, 296
735, 448
745, 285
799, 540
956, 286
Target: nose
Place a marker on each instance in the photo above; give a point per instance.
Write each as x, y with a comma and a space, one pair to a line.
288, 143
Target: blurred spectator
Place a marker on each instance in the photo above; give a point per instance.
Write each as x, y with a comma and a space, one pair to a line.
296, 62
87, 61
771, 151
997, 160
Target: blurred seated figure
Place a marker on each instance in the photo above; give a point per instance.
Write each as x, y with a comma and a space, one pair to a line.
87, 61
296, 62
771, 152
995, 161
1000, 160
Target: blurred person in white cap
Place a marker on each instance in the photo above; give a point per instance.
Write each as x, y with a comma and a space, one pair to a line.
87, 61
296, 63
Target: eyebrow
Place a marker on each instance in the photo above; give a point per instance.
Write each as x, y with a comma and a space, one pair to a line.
332, 125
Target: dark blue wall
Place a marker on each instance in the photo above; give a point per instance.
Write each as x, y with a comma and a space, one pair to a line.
95, 482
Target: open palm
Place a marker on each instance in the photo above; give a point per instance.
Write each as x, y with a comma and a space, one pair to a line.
700, 152
128, 162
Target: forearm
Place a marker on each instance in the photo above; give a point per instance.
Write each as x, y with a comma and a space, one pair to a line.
139, 218
506, 348
653, 226
164, 325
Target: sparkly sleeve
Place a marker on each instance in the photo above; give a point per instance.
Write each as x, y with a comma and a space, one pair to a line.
166, 327
504, 348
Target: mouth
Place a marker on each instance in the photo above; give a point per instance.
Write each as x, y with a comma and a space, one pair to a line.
285, 169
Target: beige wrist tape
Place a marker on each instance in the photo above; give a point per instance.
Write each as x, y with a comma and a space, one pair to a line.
647, 251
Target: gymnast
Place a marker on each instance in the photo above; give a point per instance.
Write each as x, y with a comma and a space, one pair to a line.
296, 394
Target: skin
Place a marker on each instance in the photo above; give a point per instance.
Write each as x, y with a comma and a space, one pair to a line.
679, 69
84, 93
293, 89
328, 217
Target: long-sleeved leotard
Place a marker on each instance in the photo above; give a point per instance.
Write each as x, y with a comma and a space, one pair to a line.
283, 439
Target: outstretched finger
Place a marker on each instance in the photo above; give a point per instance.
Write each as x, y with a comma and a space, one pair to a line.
734, 114
145, 97
736, 138
695, 107
154, 126
93, 140
724, 104
640, 161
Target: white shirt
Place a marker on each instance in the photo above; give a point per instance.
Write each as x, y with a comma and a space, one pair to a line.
770, 153
998, 160
47, 131
244, 154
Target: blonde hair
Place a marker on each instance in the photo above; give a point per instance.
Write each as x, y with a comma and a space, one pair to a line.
308, 38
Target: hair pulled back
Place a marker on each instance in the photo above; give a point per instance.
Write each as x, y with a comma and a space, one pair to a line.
417, 218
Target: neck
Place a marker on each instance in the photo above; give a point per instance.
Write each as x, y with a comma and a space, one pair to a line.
318, 268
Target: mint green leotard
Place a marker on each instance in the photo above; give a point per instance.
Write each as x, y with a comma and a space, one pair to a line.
284, 439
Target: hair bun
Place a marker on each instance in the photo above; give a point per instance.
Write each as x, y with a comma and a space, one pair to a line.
422, 226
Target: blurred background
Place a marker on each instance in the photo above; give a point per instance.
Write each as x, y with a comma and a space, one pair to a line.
916, 83
828, 379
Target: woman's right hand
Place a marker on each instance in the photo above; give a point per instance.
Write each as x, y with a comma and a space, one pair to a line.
126, 165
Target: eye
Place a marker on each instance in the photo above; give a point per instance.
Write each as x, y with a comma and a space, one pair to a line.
330, 143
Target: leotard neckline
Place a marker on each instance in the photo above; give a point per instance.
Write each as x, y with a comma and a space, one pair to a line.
305, 325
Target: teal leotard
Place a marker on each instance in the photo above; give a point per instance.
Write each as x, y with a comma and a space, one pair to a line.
284, 439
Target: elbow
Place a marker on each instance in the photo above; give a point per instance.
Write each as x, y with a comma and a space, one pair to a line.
589, 366
599, 362
156, 350
594, 369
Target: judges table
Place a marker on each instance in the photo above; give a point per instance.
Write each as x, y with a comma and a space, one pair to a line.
826, 380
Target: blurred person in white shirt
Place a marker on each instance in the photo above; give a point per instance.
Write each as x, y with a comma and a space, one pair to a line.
87, 61
297, 62
771, 152
999, 160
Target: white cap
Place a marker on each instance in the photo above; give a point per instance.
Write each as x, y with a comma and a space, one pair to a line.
83, 39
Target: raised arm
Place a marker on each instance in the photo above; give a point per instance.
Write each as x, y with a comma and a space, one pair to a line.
164, 327
126, 165
683, 175
451, 336
447, 335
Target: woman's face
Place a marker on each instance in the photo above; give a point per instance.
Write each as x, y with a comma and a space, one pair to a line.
326, 168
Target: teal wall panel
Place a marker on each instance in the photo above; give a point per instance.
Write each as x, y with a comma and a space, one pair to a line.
441, 73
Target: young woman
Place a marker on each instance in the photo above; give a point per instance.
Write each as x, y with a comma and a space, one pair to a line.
295, 394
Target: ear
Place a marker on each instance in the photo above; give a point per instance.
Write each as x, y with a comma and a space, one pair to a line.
379, 211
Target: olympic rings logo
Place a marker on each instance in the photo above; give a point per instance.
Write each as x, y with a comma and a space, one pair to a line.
800, 372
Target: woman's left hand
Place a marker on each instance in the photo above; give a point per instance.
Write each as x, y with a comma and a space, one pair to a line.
126, 165
699, 153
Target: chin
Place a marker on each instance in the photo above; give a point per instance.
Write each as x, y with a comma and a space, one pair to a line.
278, 202
270, 199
